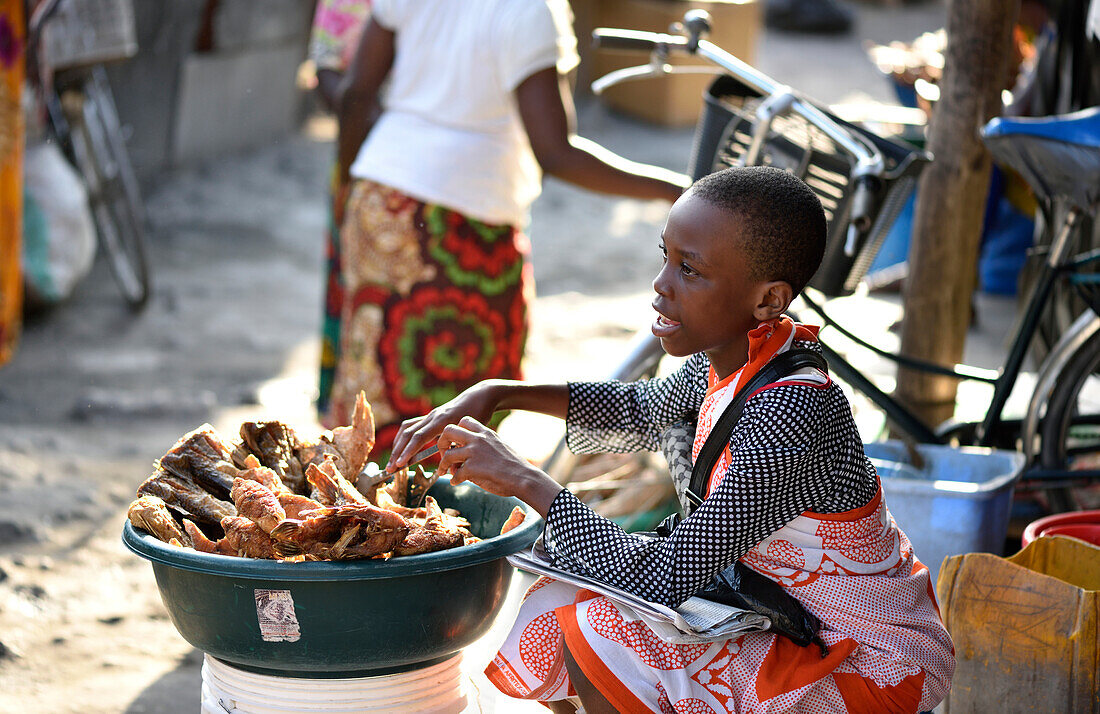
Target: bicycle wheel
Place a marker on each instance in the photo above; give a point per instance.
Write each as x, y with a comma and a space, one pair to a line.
1064, 305
1070, 429
100, 153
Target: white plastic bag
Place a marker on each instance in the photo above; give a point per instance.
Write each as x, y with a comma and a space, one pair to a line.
58, 233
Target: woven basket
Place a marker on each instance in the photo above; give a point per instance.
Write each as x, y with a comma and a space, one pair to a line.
87, 32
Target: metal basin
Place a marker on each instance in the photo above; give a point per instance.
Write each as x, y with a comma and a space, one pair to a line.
349, 618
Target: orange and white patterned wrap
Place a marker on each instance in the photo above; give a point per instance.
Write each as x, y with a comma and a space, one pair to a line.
765, 341
888, 651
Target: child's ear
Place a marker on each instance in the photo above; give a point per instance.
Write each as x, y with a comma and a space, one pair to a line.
775, 298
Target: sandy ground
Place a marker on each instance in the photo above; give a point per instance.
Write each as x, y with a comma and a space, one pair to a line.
96, 393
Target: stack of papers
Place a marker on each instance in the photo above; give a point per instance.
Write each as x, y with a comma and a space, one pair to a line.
695, 620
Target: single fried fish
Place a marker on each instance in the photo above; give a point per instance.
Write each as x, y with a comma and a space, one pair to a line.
257, 503
274, 444
356, 440
436, 533
150, 513
184, 496
330, 487
377, 531
248, 539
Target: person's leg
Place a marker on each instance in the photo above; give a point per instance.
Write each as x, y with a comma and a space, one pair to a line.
562, 706
332, 309
593, 700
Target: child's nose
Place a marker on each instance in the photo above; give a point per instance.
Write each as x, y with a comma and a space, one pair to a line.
661, 283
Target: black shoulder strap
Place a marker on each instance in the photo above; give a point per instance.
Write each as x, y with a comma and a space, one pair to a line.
778, 367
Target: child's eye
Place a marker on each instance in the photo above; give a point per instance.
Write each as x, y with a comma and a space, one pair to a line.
687, 269
664, 251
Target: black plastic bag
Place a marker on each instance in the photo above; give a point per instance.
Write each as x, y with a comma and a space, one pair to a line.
743, 587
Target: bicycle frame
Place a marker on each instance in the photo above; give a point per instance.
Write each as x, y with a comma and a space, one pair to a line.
778, 99
89, 133
1058, 264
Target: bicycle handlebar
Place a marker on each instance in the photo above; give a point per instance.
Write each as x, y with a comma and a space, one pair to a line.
860, 211
869, 161
639, 40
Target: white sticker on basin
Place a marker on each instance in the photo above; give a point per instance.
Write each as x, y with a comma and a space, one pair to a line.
275, 611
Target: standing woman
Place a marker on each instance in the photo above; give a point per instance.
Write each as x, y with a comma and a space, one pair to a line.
12, 58
443, 171
337, 26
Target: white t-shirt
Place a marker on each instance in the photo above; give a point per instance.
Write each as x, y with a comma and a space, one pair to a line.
450, 132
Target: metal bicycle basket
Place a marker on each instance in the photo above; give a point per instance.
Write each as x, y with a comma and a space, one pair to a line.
725, 131
86, 32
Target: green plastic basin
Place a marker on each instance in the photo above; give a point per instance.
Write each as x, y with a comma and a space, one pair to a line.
347, 618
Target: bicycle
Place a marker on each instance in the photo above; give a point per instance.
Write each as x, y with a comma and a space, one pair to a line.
863, 181
68, 42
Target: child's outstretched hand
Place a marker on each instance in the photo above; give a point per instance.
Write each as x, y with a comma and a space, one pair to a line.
415, 434
471, 451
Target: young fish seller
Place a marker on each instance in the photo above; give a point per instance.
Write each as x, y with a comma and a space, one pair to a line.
792, 496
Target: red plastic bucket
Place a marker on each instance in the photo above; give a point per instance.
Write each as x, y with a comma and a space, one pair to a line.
1084, 525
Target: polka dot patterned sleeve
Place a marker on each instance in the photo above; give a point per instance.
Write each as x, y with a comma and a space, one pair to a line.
628, 416
787, 459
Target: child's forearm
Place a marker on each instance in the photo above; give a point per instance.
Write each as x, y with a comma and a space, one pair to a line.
551, 399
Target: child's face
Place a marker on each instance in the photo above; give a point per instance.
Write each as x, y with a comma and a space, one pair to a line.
706, 300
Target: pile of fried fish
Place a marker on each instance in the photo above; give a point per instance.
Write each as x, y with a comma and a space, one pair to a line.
278, 495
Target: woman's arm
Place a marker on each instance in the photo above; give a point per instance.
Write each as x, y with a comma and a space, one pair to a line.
337, 26
358, 101
328, 87
546, 107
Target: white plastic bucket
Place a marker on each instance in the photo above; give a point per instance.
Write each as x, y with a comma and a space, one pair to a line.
437, 689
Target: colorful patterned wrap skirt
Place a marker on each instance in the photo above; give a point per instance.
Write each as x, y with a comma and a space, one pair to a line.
434, 302
12, 44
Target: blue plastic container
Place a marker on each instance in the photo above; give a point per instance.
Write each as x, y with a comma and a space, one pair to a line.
957, 502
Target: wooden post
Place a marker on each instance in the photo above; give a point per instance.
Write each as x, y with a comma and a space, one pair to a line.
943, 256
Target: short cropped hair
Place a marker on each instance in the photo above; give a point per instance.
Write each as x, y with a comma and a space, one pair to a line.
782, 223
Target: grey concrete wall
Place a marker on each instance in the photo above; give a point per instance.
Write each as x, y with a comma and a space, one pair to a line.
181, 106
243, 24
237, 99
145, 87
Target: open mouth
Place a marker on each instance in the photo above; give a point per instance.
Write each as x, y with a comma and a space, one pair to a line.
663, 326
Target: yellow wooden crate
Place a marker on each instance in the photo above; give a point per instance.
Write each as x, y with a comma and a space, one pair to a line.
1025, 628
